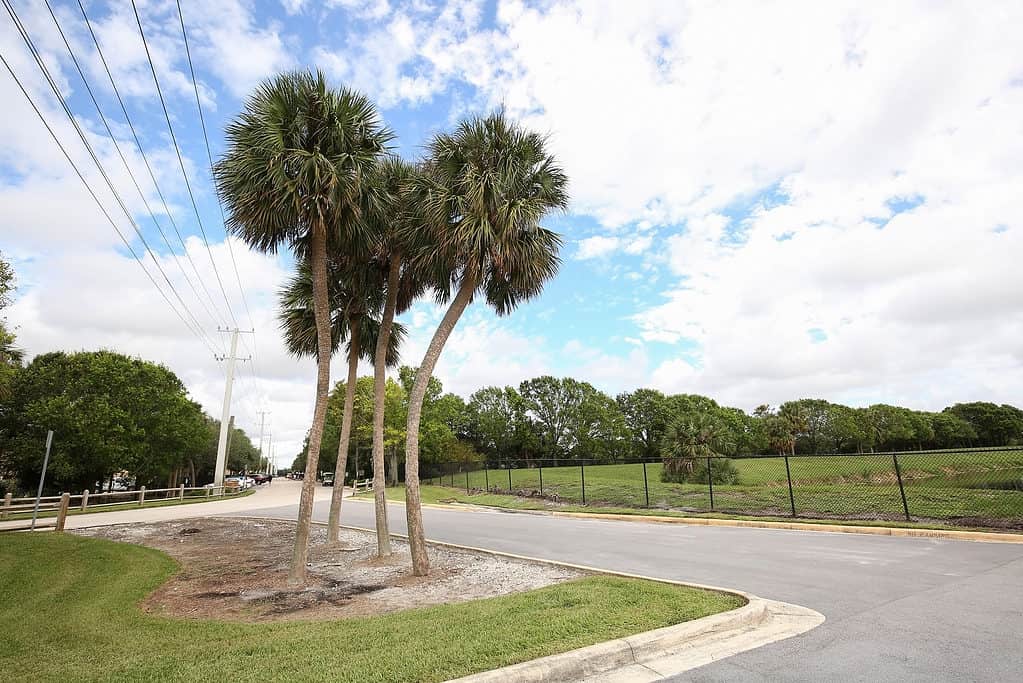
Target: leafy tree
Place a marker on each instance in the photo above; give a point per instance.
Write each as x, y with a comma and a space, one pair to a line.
11, 357
951, 431
488, 186
294, 174
553, 404
645, 413
109, 413
995, 425
598, 428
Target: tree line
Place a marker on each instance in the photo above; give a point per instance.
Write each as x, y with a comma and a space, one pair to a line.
565, 418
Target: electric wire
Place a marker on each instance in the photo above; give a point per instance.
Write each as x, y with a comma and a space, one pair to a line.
99, 203
145, 159
124, 160
30, 44
181, 162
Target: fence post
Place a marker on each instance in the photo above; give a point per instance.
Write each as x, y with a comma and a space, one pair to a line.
7, 506
646, 486
582, 477
467, 481
142, 495
85, 499
509, 479
902, 491
788, 475
710, 482
181, 492
540, 467
65, 500
486, 477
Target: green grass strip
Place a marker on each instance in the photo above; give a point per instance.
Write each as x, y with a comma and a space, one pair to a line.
69, 608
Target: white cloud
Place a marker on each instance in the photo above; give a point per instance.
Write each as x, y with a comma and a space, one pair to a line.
597, 246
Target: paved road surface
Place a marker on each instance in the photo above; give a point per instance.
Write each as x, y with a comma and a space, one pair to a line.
898, 609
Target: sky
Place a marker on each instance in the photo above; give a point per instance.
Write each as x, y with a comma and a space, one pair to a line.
770, 200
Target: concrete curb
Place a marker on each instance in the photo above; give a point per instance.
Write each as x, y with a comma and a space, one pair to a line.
905, 532
652, 655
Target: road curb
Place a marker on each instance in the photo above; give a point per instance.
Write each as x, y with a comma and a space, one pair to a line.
650, 655
904, 532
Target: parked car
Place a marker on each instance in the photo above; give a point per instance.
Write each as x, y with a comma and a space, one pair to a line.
328, 480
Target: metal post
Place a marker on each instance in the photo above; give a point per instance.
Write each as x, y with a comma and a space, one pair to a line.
582, 478
540, 466
65, 499
902, 491
142, 495
509, 478
85, 499
646, 486
467, 481
42, 478
788, 475
486, 477
710, 482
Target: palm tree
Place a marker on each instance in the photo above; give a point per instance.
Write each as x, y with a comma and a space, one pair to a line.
394, 220
485, 189
354, 301
686, 440
293, 174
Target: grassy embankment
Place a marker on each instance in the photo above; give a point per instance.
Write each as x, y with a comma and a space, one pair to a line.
70, 606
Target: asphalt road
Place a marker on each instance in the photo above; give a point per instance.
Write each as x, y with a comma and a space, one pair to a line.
898, 609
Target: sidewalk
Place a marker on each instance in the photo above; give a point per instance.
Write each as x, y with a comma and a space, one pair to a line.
280, 492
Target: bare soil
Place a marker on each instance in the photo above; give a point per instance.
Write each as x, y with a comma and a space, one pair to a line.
236, 569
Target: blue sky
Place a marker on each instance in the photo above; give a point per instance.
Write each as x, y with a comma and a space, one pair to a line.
769, 201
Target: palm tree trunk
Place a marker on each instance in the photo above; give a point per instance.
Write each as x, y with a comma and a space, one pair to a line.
413, 502
334, 520
321, 311
379, 393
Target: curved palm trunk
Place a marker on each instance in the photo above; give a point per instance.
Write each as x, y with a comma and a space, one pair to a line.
321, 311
334, 520
379, 393
413, 502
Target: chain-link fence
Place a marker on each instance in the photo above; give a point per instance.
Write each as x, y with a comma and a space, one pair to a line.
981, 487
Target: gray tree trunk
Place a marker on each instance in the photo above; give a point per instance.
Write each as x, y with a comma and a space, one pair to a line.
321, 311
394, 466
334, 520
379, 393
413, 501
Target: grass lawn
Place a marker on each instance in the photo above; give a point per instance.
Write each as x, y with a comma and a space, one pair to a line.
154, 503
440, 495
960, 487
69, 605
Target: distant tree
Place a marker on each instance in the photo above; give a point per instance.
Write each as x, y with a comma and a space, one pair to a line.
688, 443
11, 357
553, 404
951, 431
646, 416
995, 425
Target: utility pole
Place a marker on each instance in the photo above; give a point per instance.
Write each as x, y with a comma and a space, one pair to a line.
218, 471
262, 420
230, 433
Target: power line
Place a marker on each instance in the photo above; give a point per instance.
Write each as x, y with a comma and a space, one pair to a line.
124, 160
56, 91
181, 162
223, 217
102, 208
149, 168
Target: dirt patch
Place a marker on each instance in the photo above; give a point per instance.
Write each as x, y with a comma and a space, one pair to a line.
237, 569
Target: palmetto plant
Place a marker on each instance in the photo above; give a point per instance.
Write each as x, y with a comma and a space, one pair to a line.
484, 189
294, 174
685, 441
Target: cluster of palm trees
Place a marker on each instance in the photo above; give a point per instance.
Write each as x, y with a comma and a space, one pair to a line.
308, 167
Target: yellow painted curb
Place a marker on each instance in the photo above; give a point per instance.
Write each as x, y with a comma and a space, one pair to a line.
905, 532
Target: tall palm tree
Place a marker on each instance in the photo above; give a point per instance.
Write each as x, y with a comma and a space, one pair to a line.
355, 300
293, 174
486, 187
394, 219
